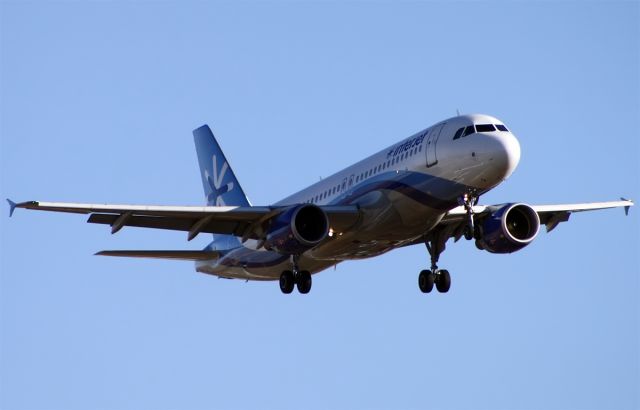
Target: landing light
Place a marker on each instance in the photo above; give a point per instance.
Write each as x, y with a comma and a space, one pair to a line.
333, 233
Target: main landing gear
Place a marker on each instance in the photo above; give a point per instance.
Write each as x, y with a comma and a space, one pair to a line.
438, 277
300, 278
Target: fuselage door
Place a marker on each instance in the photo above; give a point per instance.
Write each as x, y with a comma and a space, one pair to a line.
432, 141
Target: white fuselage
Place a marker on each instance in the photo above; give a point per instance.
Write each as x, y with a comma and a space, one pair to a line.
403, 191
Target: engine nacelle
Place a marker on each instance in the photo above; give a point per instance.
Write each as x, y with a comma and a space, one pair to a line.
297, 229
509, 229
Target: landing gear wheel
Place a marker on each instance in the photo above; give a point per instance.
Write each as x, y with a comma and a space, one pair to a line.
443, 281
468, 233
287, 282
475, 233
426, 280
303, 280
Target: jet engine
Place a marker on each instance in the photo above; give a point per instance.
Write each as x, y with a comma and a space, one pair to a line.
297, 229
509, 229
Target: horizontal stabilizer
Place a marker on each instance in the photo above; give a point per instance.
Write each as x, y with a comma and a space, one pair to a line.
12, 207
177, 255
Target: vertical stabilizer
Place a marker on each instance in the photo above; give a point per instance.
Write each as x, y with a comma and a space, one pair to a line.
221, 187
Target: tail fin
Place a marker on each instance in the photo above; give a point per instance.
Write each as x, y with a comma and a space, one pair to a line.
221, 187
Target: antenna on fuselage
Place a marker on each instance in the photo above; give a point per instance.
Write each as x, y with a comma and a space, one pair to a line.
458, 112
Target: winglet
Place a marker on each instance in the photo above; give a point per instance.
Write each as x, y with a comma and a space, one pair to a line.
626, 208
12, 207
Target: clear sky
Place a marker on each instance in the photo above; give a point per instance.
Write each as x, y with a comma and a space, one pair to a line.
98, 101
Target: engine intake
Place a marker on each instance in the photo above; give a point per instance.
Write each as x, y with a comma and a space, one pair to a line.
509, 229
297, 229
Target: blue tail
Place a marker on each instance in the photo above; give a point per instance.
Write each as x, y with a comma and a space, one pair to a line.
221, 187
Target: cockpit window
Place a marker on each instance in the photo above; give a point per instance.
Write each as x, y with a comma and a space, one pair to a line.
470, 130
458, 133
485, 127
501, 127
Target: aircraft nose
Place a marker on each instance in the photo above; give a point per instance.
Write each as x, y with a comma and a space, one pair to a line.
503, 150
496, 156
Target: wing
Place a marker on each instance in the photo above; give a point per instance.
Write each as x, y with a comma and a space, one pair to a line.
244, 221
550, 215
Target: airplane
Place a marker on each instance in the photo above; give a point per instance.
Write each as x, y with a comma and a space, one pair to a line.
422, 190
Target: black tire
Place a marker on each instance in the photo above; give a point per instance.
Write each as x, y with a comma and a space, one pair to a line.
425, 281
287, 282
468, 234
303, 281
443, 281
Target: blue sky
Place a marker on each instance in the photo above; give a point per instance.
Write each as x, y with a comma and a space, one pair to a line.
97, 104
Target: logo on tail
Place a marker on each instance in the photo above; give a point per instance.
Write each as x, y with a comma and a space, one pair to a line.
221, 187
215, 183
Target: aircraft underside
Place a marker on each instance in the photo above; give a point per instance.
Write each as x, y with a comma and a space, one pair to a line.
387, 229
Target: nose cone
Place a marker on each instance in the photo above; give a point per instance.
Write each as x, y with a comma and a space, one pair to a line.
496, 156
504, 154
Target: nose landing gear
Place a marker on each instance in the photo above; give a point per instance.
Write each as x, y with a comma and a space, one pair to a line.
468, 200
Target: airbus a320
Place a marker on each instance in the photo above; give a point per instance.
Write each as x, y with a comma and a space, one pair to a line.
422, 190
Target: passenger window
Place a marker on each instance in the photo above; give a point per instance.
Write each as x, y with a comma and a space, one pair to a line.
458, 133
501, 127
469, 130
485, 127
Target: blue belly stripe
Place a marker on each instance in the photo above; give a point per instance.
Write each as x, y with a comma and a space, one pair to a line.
434, 192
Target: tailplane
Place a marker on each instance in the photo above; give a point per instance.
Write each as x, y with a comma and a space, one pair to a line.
177, 255
221, 187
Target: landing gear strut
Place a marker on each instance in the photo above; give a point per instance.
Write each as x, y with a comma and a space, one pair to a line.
468, 200
296, 277
441, 278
